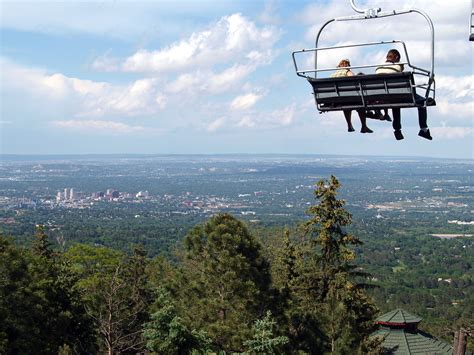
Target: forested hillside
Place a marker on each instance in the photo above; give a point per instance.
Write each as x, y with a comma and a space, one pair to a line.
311, 288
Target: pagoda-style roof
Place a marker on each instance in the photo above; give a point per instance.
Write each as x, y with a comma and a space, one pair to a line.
400, 334
398, 317
400, 341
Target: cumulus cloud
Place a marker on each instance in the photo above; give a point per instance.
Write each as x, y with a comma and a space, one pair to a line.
88, 98
246, 122
452, 132
270, 13
244, 102
105, 63
215, 125
207, 81
455, 97
98, 125
232, 38
285, 116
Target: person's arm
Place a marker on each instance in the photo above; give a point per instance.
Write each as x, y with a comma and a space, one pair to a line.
350, 73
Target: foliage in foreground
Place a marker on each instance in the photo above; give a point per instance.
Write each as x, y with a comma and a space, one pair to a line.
222, 293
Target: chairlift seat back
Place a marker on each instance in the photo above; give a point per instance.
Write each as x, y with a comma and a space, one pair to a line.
366, 92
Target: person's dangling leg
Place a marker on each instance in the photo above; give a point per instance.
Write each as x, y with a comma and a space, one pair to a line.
423, 122
397, 123
363, 122
347, 116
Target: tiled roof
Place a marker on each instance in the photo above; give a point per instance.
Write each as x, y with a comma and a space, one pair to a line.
398, 316
400, 341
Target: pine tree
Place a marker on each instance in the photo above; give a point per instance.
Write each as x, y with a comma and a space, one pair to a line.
226, 281
166, 333
264, 340
39, 308
327, 286
41, 245
114, 290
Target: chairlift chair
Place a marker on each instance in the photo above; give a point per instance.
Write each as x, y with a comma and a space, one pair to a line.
372, 91
471, 24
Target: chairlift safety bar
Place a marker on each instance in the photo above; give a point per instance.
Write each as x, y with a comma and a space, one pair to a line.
371, 14
379, 15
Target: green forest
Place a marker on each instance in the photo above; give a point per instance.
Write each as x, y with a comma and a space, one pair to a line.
313, 288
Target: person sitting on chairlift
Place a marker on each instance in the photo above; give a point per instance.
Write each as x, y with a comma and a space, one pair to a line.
391, 66
341, 72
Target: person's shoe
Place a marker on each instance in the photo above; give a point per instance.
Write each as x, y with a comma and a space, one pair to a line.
366, 130
398, 135
387, 118
370, 114
350, 129
379, 116
425, 134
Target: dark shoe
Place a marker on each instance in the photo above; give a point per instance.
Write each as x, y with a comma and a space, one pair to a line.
350, 129
366, 130
379, 116
370, 114
425, 134
398, 135
374, 115
387, 118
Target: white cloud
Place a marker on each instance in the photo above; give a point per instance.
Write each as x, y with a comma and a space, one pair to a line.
285, 116
456, 87
105, 63
233, 38
200, 82
246, 122
270, 13
244, 102
97, 125
87, 98
216, 124
456, 111
455, 97
452, 132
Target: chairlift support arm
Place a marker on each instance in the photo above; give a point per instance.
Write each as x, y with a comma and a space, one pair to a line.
375, 13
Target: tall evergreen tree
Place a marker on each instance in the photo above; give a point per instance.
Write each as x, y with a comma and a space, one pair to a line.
264, 340
166, 333
226, 281
114, 290
41, 245
39, 308
327, 286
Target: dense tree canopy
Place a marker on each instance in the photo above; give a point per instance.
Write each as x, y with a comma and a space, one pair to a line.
229, 288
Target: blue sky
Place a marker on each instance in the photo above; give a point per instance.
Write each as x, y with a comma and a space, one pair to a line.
113, 76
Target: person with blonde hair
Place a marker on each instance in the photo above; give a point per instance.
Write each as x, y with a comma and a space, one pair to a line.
343, 71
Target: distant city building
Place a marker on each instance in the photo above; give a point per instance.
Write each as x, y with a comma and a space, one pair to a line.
72, 194
97, 194
109, 191
142, 194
